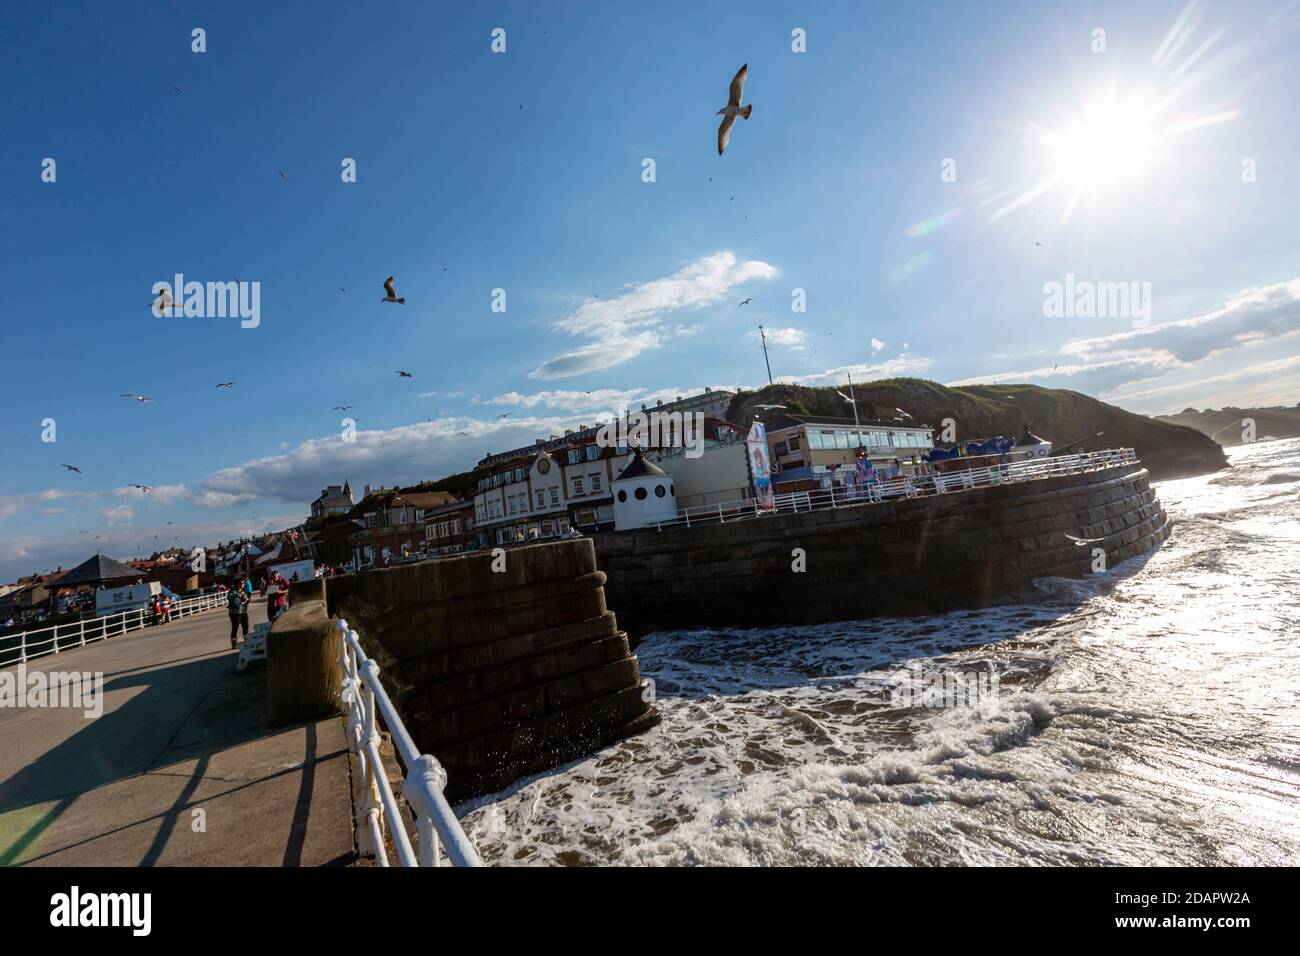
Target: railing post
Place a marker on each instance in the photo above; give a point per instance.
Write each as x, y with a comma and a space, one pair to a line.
371, 802
22, 648
425, 778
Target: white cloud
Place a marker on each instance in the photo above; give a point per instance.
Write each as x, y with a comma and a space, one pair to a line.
1168, 355
793, 339
644, 317
119, 514
402, 455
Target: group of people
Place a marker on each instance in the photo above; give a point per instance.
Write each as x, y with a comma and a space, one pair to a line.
276, 590
160, 609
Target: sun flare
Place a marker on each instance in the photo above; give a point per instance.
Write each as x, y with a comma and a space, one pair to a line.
1107, 145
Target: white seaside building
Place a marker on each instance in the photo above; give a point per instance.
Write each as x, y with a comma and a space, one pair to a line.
643, 495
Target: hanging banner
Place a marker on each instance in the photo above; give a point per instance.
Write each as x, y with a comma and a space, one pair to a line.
759, 467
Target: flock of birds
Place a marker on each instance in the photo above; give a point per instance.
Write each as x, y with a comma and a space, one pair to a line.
165, 301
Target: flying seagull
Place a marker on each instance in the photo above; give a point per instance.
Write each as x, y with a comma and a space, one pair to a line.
1081, 542
747, 301
851, 401
903, 413
283, 176
73, 468
164, 302
733, 108
179, 90
144, 488
392, 293
769, 406
343, 408
404, 375
225, 385
503, 415
138, 398
466, 434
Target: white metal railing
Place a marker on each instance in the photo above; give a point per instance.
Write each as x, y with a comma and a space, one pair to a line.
62, 637
364, 701
937, 483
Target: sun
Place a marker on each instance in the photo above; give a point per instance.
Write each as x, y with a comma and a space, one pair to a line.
1108, 144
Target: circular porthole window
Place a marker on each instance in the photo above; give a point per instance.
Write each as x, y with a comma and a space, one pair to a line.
659, 491
640, 494
622, 496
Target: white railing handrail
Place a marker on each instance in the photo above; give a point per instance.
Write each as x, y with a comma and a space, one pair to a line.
364, 700
89, 630
935, 483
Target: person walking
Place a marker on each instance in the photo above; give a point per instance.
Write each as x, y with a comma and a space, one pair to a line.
277, 600
237, 608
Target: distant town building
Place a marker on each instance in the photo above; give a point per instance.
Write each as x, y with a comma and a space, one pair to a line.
333, 500
449, 529
392, 525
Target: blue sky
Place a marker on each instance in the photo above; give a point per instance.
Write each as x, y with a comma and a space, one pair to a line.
522, 171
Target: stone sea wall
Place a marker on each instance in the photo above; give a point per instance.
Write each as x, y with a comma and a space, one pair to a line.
907, 556
503, 673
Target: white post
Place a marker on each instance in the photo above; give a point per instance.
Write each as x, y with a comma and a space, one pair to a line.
22, 648
371, 804
82, 624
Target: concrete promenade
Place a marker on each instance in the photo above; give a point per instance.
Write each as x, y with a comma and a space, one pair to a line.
181, 731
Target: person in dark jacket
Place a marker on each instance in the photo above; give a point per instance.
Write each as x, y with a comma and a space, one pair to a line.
237, 608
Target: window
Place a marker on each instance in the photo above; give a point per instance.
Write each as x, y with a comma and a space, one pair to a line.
622, 495
595, 481
575, 456
592, 453
541, 499
794, 443
659, 491
577, 486
841, 440
640, 494
555, 496
781, 449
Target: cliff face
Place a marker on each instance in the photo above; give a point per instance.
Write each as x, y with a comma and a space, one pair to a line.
1227, 426
981, 411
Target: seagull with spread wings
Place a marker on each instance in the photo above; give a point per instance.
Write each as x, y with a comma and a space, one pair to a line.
405, 375
391, 295
73, 468
138, 398
1083, 542
144, 488
733, 108
164, 302
225, 385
